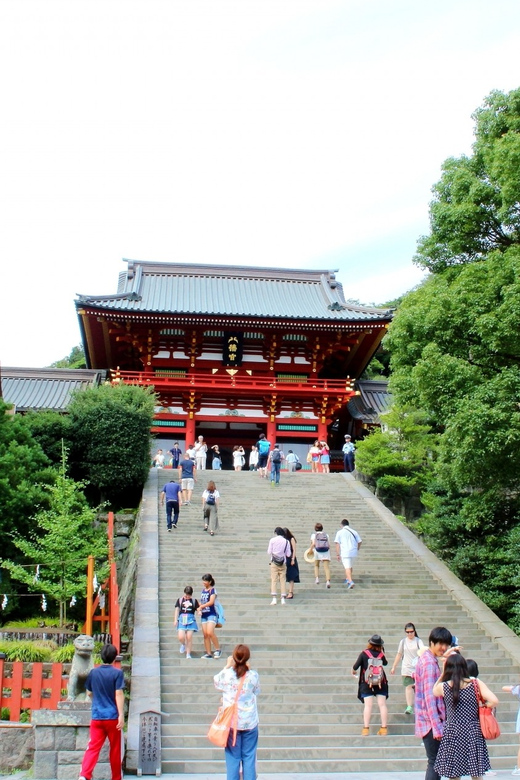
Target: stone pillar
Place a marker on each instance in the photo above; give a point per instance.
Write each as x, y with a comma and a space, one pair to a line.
60, 739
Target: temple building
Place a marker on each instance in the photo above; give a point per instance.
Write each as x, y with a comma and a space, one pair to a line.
233, 352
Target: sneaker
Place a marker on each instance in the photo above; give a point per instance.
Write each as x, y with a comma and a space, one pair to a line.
408, 711
350, 585
273, 603
346, 582
206, 655
327, 584
282, 601
188, 655
317, 581
169, 529
365, 732
217, 653
490, 773
174, 526
516, 771
383, 731
182, 649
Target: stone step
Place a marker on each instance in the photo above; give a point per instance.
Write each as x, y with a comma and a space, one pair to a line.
307, 724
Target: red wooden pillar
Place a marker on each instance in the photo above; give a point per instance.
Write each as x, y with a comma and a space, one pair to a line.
271, 431
190, 431
322, 430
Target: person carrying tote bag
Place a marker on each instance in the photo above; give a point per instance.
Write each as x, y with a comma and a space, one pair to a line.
240, 687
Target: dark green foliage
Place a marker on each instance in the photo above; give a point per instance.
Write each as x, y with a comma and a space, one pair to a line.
475, 209
60, 540
23, 469
50, 429
110, 431
76, 359
455, 354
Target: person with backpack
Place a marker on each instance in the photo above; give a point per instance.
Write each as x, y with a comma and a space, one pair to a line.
210, 499
263, 445
320, 543
372, 683
347, 543
184, 618
279, 549
276, 457
408, 650
209, 617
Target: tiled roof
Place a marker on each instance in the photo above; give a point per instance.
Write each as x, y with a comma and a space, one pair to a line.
44, 388
171, 288
374, 399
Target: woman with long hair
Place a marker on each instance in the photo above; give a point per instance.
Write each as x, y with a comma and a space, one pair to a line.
292, 572
210, 499
315, 452
408, 650
208, 614
243, 752
370, 662
463, 749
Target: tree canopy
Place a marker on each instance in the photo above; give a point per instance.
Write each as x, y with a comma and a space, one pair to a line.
110, 435
476, 204
455, 359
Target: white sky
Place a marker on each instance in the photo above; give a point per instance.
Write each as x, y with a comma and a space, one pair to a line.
295, 133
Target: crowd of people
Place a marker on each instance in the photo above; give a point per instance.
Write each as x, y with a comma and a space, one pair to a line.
263, 457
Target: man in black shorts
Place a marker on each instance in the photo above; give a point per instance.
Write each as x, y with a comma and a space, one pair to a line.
263, 453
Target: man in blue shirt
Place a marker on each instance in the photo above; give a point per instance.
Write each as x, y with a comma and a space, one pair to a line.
187, 470
172, 491
105, 686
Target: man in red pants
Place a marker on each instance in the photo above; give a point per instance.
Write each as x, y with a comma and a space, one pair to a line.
105, 685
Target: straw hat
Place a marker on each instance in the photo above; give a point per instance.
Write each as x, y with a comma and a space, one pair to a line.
308, 555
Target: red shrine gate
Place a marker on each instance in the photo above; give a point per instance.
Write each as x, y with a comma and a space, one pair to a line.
233, 352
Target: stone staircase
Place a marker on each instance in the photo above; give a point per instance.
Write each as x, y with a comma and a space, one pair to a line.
310, 718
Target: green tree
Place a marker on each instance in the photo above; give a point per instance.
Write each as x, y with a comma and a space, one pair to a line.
476, 205
59, 543
398, 458
50, 429
76, 359
110, 430
23, 469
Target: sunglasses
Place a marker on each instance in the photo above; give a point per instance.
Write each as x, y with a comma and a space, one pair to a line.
410, 632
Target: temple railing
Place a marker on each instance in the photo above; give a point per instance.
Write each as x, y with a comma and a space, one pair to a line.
221, 381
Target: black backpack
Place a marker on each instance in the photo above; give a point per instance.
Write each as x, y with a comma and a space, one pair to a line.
276, 456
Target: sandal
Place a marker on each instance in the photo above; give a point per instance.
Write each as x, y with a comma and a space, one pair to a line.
290, 596
205, 527
211, 533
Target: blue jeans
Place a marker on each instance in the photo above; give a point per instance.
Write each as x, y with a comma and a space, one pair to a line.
172, 506
275, 472
245, 752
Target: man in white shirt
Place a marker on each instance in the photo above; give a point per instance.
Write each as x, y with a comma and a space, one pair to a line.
347, 543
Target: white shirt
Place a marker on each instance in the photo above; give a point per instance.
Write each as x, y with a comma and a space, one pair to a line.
348, 540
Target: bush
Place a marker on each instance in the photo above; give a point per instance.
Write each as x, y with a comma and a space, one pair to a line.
64, 654
26, 651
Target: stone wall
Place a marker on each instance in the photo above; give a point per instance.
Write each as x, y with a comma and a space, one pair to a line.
60, 739
16, 746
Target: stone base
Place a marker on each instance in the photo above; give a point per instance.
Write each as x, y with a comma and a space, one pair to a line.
60, 739
16, 747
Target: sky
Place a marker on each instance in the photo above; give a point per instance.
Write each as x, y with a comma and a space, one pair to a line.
280, 133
